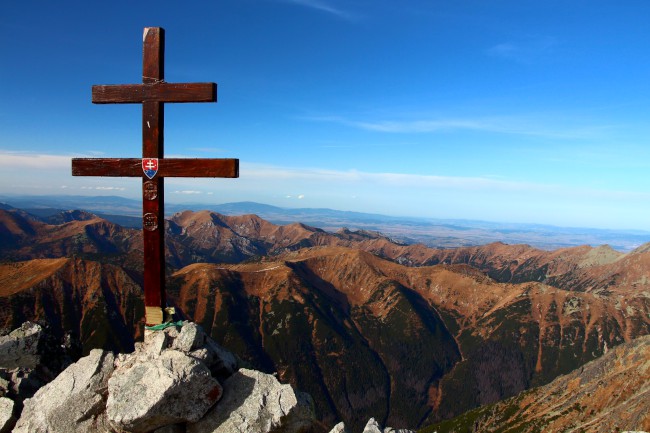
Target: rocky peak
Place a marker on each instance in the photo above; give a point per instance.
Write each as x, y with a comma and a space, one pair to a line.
177, 380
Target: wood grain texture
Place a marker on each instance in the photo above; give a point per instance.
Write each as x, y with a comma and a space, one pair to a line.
160, 92
153, 146
168, 167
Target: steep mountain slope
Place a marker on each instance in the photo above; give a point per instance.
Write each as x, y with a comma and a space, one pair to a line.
99, 303
437, 340
609, 394
374, 352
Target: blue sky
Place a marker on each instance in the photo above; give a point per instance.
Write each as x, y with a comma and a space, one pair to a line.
503, 110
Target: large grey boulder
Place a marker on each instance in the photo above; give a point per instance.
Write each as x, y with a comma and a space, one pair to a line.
73, 402
169, 389
256, 402
19, 349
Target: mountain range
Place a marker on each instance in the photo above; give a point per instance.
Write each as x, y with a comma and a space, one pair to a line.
444, 233
370, 327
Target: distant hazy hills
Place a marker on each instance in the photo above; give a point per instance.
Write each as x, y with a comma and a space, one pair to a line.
431, 232
368, 326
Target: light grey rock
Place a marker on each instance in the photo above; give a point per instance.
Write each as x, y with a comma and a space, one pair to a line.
256, 402
7, 419
170, 389
339, 428
190, 338
193, 341
397, 430
74, 402
372, 427
155, 343
19, 349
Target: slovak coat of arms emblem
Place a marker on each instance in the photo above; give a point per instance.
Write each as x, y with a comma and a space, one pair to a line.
150, 167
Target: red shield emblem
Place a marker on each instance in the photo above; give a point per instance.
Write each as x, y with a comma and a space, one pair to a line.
150, 167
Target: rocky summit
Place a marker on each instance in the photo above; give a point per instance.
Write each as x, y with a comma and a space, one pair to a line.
172, 382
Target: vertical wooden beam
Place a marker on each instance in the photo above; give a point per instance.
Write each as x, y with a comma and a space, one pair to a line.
153, 124
153, 93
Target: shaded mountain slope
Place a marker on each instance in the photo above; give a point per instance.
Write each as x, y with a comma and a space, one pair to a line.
609, 394
356, 355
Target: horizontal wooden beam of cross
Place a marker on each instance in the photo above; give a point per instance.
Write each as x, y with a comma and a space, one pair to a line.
167, 167
157, 91
153, 167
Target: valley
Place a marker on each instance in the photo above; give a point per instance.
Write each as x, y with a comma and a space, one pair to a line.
405, 333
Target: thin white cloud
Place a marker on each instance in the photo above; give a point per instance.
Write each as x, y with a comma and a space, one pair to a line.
188, 192
109, 188
10, 159
323, 6
527, 50
507, 49
101, 188
531, 125
352, 179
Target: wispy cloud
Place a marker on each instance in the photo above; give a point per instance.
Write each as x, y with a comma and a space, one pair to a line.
527, 50
323, 6
254, 172
508, 124
408, 183
188, 192
103, 188
33, 160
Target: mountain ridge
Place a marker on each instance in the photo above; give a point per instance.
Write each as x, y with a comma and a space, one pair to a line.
430, 231
405, 333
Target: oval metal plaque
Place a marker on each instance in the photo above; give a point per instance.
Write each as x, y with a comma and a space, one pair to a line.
150, 190
149, 222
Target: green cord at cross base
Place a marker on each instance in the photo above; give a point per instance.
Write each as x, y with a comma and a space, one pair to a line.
162, 326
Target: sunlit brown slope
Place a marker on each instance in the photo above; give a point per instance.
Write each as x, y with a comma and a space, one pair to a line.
210, 237
369, 336
99, 303
84, 235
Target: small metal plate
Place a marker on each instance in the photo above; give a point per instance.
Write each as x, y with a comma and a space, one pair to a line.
150, 190
150, 222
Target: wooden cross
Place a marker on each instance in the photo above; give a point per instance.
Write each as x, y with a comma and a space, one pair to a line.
153, 167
